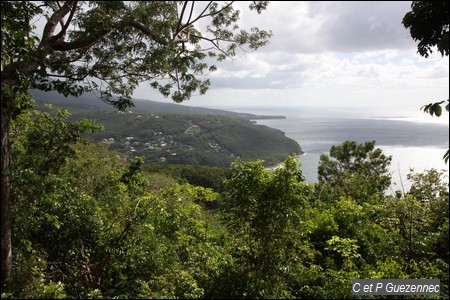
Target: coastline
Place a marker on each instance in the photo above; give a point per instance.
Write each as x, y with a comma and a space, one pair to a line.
405, 135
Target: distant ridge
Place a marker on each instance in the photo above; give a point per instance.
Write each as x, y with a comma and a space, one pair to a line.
177, 134
91, 102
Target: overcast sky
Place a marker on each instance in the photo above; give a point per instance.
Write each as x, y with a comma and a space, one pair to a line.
327, 53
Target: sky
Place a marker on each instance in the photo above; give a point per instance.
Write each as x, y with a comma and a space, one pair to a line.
322, 53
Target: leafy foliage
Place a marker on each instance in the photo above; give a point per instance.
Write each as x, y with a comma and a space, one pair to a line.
121, 44
436, 109
87, 223
109, 47
92, 226
428, 22
205, 176
355, 170
190, 139
261, 209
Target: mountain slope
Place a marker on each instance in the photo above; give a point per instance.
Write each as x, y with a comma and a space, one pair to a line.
90, 101
173, 133
190, 139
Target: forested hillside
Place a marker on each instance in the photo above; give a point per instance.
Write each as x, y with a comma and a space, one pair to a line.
90, 101
189, 139
84, 216
88, 223
177, 134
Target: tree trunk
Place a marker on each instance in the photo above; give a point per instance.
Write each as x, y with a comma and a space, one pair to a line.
6, 251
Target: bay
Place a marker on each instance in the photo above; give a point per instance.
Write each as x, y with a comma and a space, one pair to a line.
414, 139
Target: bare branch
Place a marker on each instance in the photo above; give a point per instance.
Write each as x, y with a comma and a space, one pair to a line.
62, 20
192, 10
216, 46
181, 18
147, 32
200, 16
63, 31
181, 27
55, 42
57, 16
80, 43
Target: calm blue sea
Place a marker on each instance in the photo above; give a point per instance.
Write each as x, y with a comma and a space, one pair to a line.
414, 139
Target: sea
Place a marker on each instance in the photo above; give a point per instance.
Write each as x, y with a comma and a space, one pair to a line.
416, 140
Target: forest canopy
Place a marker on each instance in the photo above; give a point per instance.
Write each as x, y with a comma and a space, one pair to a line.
85, 222
90, 224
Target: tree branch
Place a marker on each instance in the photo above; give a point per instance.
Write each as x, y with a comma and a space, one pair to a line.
181, 18
200, 16
55, 42
147, 32
63, 31
78, 44
57, 16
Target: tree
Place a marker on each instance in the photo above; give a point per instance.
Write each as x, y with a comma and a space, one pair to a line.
48, 211
264, 211
428, 23
356, 170
109, 47
419, 221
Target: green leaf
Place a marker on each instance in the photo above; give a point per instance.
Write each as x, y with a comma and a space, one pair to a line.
437, 109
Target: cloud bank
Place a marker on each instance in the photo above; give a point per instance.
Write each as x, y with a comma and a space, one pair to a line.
328, 53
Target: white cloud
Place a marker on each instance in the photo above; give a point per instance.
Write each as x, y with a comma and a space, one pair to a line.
329, 53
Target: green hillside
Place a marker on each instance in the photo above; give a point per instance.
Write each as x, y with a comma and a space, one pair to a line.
178, 134
92, 102
189, 139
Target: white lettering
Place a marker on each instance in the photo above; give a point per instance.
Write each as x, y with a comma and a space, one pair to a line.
389, 287
379, 286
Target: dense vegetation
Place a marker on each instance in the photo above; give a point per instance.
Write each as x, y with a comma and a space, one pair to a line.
178, 134
190, 139
109, 48
89, 224
90, 101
